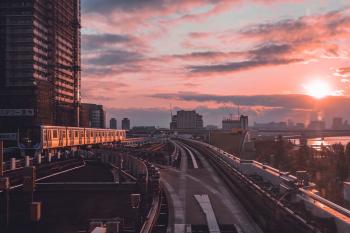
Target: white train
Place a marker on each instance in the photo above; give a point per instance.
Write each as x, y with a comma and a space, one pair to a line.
54, 137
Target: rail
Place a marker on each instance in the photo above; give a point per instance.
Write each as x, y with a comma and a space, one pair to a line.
152, 216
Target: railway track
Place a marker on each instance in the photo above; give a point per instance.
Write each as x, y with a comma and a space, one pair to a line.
185, 150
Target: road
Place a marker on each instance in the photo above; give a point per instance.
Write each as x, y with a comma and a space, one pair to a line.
188, 185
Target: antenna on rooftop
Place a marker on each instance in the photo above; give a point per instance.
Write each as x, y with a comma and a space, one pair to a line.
238, 111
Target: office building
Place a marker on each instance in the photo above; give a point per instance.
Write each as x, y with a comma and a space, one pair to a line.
186, 120
39, 63
93, 116
113, 123
126, 124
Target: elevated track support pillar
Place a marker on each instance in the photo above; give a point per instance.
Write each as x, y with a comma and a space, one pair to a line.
1, 159
13, 164
27, 161
4, 203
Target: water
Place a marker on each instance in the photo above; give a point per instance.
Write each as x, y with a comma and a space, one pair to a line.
326, 141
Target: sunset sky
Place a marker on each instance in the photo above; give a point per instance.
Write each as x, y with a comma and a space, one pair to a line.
278, 59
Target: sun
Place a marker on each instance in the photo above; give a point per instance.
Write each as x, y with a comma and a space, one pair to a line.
318, 89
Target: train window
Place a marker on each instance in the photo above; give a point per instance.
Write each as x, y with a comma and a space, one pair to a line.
63, 134
76, 134
54, 134
70, 133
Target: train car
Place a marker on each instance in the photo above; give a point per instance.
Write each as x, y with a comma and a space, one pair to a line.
53, 136
46, 137
75, 136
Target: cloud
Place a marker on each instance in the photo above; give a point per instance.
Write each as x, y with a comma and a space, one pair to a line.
141, 116
319, 34
285, 101
283, 42
266, 108
105, 6
266, 54
292, 101
98, 41
114, 57
244, 65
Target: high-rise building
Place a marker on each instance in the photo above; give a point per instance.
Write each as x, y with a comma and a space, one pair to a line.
113, 123
39, 63
317, 125
186, 120
126, 123
337, 123
92, 115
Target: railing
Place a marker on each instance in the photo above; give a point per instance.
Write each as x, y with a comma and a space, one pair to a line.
326, 202
152, 216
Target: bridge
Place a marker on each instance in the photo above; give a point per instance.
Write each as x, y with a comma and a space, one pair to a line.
306, 133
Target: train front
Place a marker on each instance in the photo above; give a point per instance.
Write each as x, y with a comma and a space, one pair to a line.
29, 141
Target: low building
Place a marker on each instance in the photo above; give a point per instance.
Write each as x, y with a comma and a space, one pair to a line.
237, 143
126, 124
186, 120
235, 125
113, 123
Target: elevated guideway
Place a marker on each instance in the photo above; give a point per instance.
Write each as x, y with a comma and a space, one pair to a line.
199, 200
277, 201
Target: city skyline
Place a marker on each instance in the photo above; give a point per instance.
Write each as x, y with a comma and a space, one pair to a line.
211, 55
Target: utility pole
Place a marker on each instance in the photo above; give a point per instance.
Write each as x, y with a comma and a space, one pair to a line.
4, 196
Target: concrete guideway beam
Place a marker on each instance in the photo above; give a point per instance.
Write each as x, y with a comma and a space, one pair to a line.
205, 204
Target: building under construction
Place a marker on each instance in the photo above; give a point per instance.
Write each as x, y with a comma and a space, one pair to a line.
39, 63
